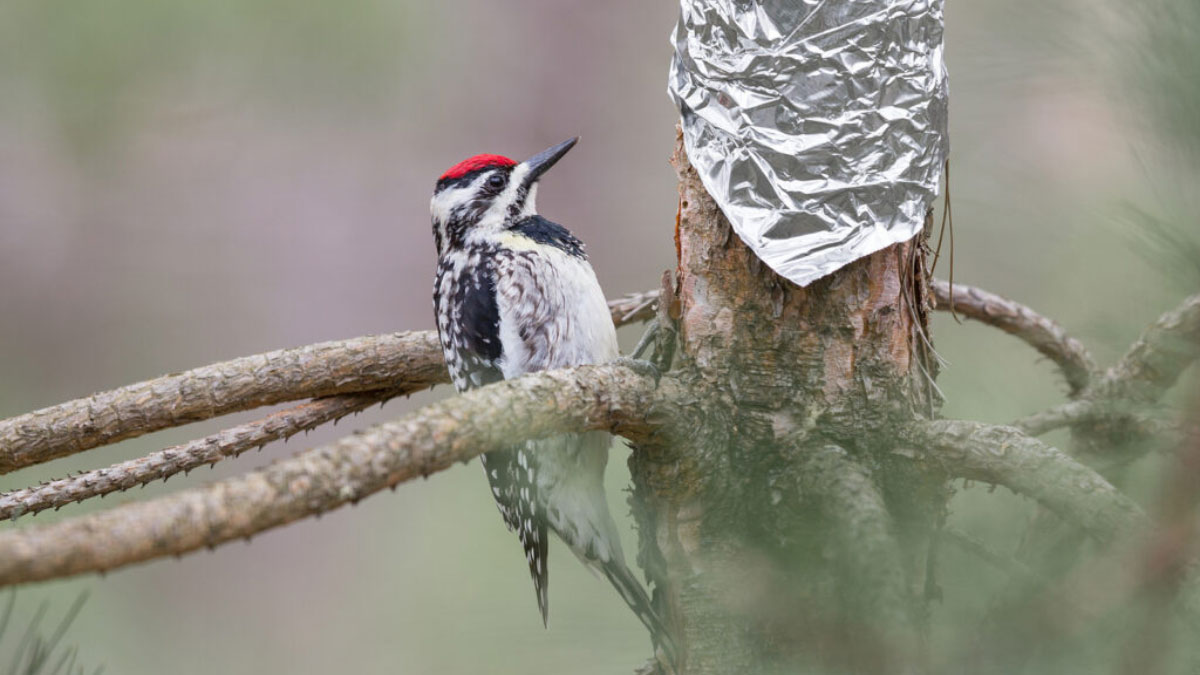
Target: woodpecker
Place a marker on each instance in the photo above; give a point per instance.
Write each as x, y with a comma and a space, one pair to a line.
513, 294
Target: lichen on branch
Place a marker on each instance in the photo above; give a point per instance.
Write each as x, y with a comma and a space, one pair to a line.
405, 362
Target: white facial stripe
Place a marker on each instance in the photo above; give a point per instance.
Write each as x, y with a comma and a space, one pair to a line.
530, 207
442, 206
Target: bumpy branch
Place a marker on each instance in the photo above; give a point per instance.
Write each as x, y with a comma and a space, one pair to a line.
633, 308
318, 480
1006, 456
404, 362
1071, 412
1039, 332
182, 458
1157, 359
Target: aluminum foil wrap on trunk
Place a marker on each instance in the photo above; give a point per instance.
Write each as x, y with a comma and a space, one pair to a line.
819, 126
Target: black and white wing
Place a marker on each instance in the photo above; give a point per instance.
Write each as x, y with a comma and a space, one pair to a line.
469, 330
468, 321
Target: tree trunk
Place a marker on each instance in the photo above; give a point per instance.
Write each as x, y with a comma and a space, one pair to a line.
779, 534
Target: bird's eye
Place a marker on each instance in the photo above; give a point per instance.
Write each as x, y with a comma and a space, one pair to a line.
496, 181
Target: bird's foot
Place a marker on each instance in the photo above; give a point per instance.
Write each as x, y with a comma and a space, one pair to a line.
649, 339
640, 366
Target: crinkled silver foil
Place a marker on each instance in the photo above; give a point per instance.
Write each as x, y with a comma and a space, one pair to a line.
819, 126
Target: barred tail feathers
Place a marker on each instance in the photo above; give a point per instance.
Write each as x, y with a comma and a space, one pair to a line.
635, 597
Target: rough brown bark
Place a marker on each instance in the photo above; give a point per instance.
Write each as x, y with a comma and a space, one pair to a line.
736, 532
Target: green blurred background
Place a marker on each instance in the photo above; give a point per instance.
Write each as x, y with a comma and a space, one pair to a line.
186, 182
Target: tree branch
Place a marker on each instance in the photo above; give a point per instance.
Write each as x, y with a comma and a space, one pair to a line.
1129, 416
1154, 363
1066, 414
1005, 563
862, 525
1016, 319
609, 397
1006, 456
182, 458
1119, 403
633, 308
868, 552
404, 362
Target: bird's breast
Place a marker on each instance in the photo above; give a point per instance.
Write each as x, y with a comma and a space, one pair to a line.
552, 311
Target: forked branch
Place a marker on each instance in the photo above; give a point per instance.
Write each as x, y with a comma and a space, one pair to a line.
1005, 456
1124, 396
611, 397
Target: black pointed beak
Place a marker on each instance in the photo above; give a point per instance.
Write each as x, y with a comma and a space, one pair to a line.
541, 162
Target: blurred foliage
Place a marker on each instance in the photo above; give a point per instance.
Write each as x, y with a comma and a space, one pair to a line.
91, 61
1158, 56
1171, 248
1155, 52
39, 653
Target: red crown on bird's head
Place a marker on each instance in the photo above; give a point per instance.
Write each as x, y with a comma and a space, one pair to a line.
475, 164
